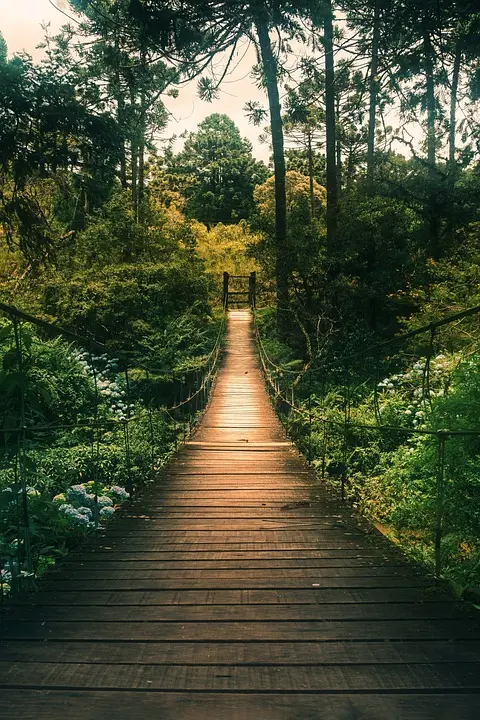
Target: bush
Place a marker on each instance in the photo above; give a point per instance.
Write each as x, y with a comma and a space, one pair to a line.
71, 477
391, 474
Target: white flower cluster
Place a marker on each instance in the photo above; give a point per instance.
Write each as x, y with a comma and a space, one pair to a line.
77, 516
119, 493
9, 493
411, 387
7, 573
110, 385
78, 503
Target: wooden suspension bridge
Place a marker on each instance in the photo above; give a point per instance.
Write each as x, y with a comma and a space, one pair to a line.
237, 588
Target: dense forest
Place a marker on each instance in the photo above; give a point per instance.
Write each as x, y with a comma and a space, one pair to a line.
364, 226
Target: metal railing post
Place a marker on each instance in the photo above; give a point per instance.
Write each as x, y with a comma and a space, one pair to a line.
346, 423
152, 431
126, 429
21, 450
310, 438
440, 502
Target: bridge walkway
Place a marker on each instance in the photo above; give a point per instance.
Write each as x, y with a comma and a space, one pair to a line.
235, 588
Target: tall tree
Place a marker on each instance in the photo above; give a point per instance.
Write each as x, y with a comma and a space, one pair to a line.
330, 131
462, 49
373, 93
194, 32
3, 49
52, 146
216, 172
271, 81
304, 119
305, 233
130, 77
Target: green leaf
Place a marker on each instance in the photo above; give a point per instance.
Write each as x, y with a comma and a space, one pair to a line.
10, 359
45, 395
29, 464
6, 498
27, 339
14, 381
10, 421
5, 332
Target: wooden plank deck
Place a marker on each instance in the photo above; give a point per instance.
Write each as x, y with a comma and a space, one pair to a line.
236, 588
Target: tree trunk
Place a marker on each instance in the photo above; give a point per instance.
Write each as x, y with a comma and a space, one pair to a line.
134, 174
282, 259
457, 61
311, 172
431, 146
332, 189
350, 169
141, 175
431, 114
134, 163
339, 160
452, 167
123, 158
373, 89
120, 117
142, 131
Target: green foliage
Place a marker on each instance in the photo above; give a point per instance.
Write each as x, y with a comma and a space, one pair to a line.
3, 50
140, 289
380, 437
216, 172
298, 160
68, 476
305, 231
377, 260
46, 131
112, 303
298, 200
227, 248
55, 387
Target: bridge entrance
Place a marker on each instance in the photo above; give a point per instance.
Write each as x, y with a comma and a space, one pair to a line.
239, 291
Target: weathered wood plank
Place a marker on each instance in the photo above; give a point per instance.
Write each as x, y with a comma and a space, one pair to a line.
122, 705
249, 653
315, 574
295, 631
226, 546
194, 555
143, 523
311, 596
243, 613
175, 678
213, 583
138, 565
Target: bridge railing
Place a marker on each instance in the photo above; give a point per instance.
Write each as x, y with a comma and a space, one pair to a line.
120, 416
348, 413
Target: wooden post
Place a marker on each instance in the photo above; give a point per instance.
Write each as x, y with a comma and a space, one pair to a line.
252, 290
225, 290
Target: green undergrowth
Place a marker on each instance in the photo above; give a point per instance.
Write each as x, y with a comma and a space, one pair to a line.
390, 475
89, 441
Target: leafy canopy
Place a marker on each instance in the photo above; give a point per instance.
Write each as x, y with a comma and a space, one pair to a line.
217, 172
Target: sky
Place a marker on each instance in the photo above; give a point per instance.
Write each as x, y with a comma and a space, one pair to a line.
20, 24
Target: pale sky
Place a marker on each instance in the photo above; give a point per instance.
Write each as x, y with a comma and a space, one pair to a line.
20, 24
